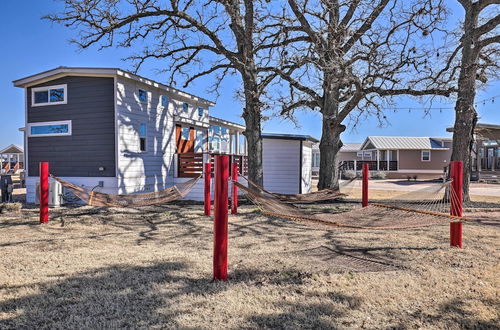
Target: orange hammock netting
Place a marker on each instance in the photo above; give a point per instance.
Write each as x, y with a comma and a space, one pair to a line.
375, 216
315, 196
94, 198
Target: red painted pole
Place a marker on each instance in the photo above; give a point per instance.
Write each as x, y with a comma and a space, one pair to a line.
208, 179
456, 234
364, 201
220, 217
44, 192
234, 198
456, 174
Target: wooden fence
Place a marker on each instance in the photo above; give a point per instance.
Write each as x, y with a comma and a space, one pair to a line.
190, 164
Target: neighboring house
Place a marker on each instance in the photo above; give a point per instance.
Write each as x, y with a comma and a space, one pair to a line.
111, 128
287, 160
403, 157
11, 159
485, 151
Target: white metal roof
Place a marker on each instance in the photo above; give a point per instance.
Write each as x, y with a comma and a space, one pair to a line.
404, 143
100, 72
351, 147
13, 146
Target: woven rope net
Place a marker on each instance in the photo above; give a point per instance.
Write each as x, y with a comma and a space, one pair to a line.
95, 198
396, 214
316, 196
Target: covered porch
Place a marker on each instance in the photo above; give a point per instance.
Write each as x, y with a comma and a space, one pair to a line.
486, 152
377, 160
11, 159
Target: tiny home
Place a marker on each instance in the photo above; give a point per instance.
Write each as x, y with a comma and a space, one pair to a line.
11, 159
287, 160
119, 132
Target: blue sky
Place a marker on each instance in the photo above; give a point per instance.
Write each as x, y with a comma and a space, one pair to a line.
31, 45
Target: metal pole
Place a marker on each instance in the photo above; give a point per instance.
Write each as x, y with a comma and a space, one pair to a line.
365, 186
208, 179
220, 217
44, 192
234, 198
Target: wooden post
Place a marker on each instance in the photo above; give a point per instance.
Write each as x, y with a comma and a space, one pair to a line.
208, 179
364, 202
234, 195
44, 192
220, 217
456, 174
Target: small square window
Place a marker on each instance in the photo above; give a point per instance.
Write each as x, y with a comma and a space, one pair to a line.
164, 101
426, 155
143, 95
201, 111
42, 97
57, 95
185, 107
185, 133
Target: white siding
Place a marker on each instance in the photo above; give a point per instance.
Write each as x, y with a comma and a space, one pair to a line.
306, 167
281, 160
110, 185
150, 170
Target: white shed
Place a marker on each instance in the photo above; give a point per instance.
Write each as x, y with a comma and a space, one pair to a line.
287, 162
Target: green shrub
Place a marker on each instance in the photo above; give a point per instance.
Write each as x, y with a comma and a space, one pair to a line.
378, 175
10, 207
350, 174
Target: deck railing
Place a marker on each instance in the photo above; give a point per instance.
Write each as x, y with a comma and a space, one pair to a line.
191, 164
372, 165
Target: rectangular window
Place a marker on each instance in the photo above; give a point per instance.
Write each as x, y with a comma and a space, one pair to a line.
142, 137
53, 128
185, 133
49, 95
185, 107
426, 155
201, 111
143, 95
164, 101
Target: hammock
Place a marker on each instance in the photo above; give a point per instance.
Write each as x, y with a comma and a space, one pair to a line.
94, 198
375, 216
315, 196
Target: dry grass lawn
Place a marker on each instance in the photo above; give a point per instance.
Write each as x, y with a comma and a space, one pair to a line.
151, 268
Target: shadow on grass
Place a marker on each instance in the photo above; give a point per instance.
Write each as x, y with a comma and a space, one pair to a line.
152, 296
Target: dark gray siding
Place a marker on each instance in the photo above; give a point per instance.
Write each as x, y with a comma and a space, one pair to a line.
90, 107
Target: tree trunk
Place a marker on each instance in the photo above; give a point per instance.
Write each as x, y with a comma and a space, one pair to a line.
252, 117
329, 148
465, 113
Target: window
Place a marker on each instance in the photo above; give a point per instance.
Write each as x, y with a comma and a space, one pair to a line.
185, 107
143, 95
53, 128
315, 160
49, 95
185, 133
164, 101
426, 155
201, 111
218, 139
142, 137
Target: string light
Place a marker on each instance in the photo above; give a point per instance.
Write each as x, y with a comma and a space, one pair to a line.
483, 101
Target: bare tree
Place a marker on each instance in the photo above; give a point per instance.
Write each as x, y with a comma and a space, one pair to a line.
471, 63
198, 38
356, 55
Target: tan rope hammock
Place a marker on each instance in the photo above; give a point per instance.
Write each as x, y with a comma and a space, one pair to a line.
95, 198
315, 196
376, 216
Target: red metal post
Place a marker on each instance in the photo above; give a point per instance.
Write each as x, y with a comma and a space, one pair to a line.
364, 201
44, 192
220, 217
456, 234
208, 179
456, 174
234, 196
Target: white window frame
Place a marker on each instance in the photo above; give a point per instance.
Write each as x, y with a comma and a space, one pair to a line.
422, 156
47, 89
139, 96
186, 109
46, 123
